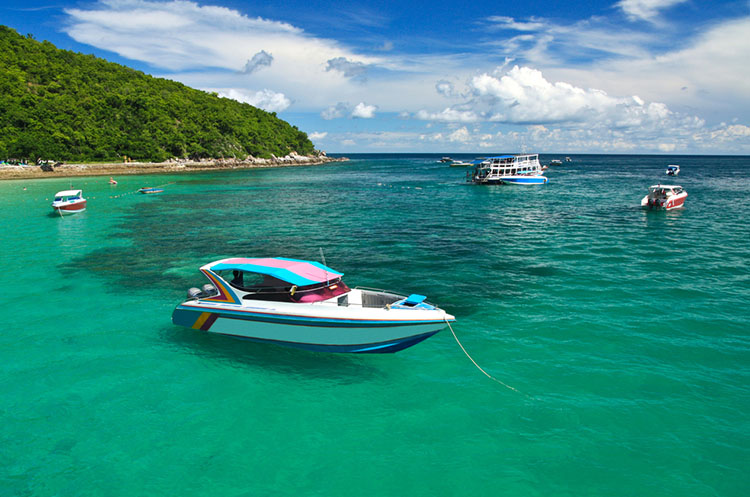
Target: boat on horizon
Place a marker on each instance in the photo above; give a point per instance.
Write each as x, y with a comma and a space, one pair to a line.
509, 170
306, 305
673, 170
69, 202
446, 159
665, 197
555, 162
150, 189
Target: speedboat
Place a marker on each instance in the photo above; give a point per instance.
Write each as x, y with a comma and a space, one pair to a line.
150, 189
460, 163
555, 162
664, 197
673, 170
69, 202
306, 305
446, 159
509, 170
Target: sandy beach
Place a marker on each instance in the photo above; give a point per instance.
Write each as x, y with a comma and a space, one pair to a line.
8, 171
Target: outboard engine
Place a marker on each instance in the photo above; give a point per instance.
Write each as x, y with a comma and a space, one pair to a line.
209, 290
194, 293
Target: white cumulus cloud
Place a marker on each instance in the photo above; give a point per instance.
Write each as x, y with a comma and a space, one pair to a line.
645, 9
364, 111
267, 100
524, 96
460, 135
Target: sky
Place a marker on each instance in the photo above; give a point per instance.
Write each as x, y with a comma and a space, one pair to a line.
618, 76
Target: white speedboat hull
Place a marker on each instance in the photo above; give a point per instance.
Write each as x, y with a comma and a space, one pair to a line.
314, 326
674, 198
66, 208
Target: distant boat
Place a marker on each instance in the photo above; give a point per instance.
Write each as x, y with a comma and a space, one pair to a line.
509, 170
673, 170
555, 162
459, 163
666, 197
69, 202
446, 159
567, 159
151, 189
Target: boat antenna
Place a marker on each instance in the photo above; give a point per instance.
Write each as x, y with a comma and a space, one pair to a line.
323, 258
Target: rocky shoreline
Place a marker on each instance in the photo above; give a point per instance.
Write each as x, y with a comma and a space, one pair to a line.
64, 170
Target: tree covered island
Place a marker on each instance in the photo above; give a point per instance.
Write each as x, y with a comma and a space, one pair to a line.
62, 105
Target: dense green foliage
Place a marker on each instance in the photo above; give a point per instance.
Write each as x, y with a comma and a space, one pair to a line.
58, 104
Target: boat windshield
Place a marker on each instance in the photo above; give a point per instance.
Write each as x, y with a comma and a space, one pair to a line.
265, 287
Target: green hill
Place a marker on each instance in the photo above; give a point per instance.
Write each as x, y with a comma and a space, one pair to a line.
62, 105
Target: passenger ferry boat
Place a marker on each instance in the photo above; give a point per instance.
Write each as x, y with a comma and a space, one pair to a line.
306, 305
509, 169
666, 197
69, 202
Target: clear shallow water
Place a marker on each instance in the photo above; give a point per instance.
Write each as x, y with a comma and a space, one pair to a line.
625, 331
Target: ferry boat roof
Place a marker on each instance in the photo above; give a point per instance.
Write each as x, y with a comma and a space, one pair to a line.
666, 187
293, 271
68, 193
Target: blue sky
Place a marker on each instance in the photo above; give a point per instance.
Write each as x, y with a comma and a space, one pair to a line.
621, 76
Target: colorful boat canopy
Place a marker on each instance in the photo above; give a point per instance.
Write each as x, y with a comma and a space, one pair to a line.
69, 193
293, 271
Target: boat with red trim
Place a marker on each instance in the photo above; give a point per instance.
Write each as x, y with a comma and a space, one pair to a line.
664, 197
69, 202
306, 305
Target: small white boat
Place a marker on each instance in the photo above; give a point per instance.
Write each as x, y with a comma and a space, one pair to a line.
150, 189
555, 162
460, 163
567, 159
446, 159
666, 197
69, 202
305, 305
509, 170
673, 170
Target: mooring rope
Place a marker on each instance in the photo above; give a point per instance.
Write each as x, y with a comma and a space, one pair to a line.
475, 362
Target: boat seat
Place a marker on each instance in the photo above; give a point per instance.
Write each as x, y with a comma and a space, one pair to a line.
414, 299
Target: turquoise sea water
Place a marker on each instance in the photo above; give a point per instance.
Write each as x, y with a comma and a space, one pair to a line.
625, 332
